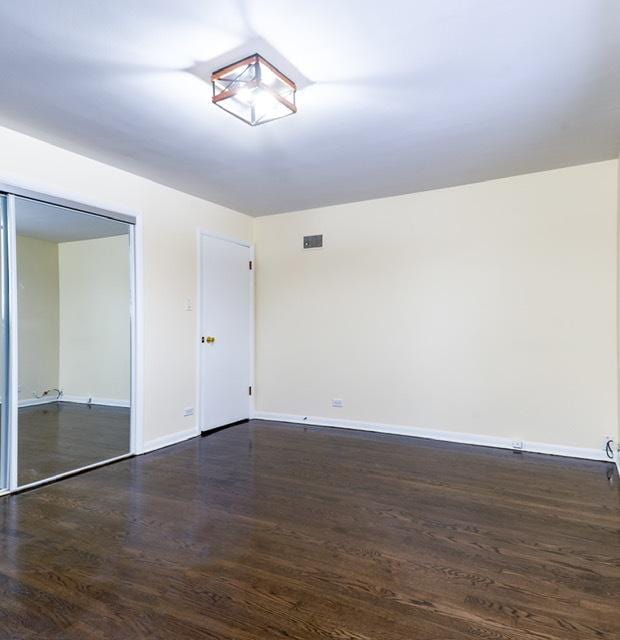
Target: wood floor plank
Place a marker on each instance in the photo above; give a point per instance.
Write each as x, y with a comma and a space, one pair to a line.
267, 530
58, 437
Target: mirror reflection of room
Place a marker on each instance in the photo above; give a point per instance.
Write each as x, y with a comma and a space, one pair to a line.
73, 295
4, 334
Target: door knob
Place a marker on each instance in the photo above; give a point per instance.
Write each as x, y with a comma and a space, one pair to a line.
210, 339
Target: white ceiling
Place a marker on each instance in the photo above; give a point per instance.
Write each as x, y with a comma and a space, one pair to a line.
57, 224
399, 96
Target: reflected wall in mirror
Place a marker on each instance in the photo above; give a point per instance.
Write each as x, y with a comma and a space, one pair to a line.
73, 301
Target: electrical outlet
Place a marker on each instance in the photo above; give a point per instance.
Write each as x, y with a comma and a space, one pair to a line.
517, 445
188, 304
188, 411
338, 403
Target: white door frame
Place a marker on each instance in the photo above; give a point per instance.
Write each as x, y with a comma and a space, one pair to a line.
134, 218
200, 233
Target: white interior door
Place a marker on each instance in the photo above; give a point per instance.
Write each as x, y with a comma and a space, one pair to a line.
225, 324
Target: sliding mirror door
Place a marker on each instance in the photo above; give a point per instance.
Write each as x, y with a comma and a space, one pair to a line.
73, 290
4, 350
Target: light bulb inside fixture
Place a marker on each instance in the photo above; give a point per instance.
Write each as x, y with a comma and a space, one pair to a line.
264, 104
253, 90
246, 95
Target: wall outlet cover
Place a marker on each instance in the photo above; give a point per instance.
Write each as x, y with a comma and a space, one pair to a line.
188, 411
338, 403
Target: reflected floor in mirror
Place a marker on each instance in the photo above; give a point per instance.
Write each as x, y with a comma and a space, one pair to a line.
267, 530
62, 436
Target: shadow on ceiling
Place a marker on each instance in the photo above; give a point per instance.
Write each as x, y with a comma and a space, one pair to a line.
203, 68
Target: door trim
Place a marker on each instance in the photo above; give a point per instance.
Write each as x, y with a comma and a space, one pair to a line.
69, 203
13, 356
200, 234
134, 218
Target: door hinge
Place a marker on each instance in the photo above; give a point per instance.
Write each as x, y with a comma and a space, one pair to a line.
250, 391
250, 265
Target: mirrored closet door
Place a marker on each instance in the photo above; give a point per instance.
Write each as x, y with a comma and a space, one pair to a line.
72, 316
4, 394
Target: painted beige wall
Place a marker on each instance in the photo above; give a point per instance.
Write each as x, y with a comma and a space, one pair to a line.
486, 309
95, 319
37, 299
170, 221
73, 301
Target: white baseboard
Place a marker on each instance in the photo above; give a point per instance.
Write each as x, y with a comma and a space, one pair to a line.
151, 445
108, 402
434, 434
32, 402
166, 441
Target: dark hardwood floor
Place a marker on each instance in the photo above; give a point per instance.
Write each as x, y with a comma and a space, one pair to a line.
62, 436
266, 531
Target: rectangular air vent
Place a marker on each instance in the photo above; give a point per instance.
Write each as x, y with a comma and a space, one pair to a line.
313, 242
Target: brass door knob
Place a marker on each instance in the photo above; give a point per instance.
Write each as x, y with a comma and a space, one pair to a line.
210, 339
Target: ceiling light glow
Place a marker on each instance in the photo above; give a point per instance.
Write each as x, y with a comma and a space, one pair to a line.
254, 91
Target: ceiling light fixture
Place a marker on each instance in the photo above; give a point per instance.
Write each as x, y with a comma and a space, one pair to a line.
254, 91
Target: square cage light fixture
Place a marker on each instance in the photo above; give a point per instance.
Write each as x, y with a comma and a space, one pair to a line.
254, 91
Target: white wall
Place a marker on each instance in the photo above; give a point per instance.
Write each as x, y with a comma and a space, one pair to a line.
487, 309
95, 298
170, 220
74, 327
37, 299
